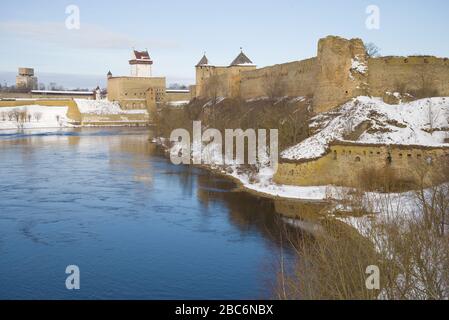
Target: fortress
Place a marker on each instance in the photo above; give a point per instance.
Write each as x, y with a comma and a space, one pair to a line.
140, 90
340, 71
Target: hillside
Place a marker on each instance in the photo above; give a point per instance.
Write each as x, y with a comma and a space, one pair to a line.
372, 121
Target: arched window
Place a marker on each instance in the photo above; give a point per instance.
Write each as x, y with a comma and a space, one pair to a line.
357, 159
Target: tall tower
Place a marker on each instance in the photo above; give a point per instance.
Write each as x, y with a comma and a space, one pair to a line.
26, 80
140, 64
203, 71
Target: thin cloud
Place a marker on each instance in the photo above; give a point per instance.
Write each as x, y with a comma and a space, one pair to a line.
89, 36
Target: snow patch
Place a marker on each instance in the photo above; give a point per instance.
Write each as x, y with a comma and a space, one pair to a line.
103, 107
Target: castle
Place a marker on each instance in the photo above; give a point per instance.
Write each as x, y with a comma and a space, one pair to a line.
341, 70
140, 90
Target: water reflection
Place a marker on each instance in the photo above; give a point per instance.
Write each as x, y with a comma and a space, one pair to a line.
138, 226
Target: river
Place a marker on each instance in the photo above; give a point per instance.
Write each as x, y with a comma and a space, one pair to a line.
137, 226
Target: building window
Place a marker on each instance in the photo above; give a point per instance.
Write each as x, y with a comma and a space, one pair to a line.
357, 159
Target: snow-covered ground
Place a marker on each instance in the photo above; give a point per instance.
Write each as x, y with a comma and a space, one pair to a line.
406, 124
103, 107
36, 117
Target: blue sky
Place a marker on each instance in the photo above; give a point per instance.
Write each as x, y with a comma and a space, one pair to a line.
33, 33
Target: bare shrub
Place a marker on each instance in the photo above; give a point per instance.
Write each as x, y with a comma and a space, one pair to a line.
406, 237
372, 50
382, 180
330, 265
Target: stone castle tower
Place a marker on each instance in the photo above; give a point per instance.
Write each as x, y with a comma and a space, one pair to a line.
225, 78
342, 72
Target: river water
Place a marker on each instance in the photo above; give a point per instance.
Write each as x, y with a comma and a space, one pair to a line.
137, 226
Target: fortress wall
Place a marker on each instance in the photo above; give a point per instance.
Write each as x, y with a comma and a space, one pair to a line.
212, 80
336, 82
340, 71
394, 74
290, 79
176, 96
130, 92
344, 163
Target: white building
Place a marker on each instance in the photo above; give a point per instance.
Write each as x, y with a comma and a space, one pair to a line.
140, 64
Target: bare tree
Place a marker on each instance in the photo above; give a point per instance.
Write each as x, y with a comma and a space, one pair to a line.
213, 89
19, 116
296, 125
273, 86
38, 116
432, 116
372, 50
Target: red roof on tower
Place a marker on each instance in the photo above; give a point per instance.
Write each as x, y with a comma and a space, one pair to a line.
141, 57
144, 55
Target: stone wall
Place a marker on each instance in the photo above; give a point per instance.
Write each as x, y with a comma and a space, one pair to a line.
408, 74
340, 71
336, 81
131, 92
327, 77
289, 79
177, 95
344, 163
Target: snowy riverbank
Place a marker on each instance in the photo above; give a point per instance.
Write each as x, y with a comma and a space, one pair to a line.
33, 117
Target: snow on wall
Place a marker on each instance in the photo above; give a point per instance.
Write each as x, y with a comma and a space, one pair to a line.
103, 107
